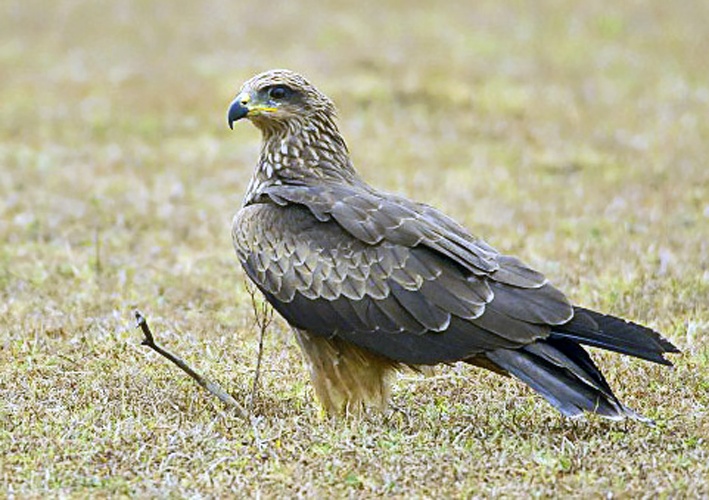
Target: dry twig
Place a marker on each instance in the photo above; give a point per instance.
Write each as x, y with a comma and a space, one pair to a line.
263, 314
210, 386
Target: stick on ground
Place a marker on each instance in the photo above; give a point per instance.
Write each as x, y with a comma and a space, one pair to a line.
213, 388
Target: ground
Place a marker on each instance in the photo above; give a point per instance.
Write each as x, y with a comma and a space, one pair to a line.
571, 134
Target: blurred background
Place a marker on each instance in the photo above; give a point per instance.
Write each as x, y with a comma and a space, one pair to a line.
540, 125
573, 134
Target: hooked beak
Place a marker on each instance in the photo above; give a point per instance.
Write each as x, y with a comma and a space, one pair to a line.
238, 109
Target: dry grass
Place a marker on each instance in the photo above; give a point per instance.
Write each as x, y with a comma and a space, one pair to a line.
575, 136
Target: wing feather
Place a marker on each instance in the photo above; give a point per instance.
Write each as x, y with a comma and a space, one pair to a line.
413, 286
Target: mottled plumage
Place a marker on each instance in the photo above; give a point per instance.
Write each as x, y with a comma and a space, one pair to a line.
372, 282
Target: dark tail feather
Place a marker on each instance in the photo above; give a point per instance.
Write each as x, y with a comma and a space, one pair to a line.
615, 334
563, 372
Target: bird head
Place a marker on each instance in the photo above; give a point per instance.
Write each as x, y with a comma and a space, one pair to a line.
278, 98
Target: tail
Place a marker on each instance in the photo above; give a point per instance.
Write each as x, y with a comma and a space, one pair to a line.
615, 334
563, 372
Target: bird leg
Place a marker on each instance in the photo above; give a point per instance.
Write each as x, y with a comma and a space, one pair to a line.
345, 377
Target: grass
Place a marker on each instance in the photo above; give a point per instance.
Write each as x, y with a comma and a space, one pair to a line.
571, 134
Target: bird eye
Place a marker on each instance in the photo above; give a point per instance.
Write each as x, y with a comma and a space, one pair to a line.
278, 92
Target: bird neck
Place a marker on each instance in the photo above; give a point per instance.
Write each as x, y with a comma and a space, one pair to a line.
302, 153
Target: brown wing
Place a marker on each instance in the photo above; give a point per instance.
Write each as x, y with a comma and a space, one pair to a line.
397, 278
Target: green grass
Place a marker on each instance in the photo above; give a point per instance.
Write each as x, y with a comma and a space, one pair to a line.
572, 134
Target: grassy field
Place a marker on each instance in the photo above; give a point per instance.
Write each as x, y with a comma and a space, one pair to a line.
572, 134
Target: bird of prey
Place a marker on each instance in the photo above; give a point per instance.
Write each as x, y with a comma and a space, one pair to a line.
372, 282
